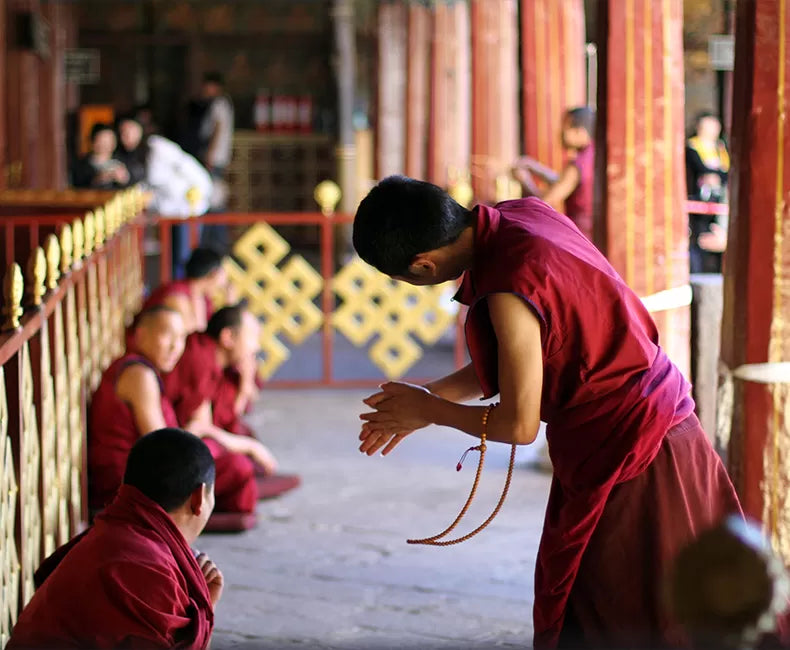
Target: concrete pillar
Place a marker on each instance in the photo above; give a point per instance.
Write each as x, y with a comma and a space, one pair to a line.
641, 224
343, 18
756, 324
392, 102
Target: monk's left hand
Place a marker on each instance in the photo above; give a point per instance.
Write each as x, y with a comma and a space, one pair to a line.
400, 409
213, 576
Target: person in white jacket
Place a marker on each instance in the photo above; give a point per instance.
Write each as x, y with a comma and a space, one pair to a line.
180, 185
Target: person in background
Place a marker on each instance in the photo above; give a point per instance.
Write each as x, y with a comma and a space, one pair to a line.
132, 580
216, 131
573, 186
99, 169
707, 168
181, 186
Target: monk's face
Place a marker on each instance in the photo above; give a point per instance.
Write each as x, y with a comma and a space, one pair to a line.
160, 338
244, 342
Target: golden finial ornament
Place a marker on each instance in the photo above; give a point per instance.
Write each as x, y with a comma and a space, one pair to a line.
461, 191
66, 249
53, 262
36, 277
88, 230
327, 194
13, 292
98, 228
78, 238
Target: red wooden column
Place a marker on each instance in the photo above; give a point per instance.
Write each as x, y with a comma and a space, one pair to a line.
418, 91
495, 114
4, 170
756, 323
553, 73
391, 127
449, 140
640, 178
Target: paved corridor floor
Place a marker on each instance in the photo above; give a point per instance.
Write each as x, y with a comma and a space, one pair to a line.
328, 565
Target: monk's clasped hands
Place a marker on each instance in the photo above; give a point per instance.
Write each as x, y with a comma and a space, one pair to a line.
399, 409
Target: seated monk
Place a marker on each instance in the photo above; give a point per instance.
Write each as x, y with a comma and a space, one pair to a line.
205, 276
230, 340
130, 402
132, 580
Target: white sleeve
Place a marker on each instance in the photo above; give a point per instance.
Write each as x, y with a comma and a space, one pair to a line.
172, 173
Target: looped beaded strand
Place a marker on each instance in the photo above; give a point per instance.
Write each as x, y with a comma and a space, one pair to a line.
434, 541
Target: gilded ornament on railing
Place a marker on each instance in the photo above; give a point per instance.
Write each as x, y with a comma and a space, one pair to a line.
53, 262
398, 312
281, 296
75, 374
50, 496
36, 277
13, 292
89, 240
66, 249
29, 479
60, 377
327, 194
98, 228
10, 569
78, 238
461, 191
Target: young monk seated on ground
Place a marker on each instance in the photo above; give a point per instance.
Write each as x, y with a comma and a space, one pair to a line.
205, 276
130, 402
132, 580
231, 339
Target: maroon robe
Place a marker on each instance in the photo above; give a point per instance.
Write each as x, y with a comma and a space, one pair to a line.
112, 431
130, 581
579, 204
193, 381
634, 474
224, 411
174, 288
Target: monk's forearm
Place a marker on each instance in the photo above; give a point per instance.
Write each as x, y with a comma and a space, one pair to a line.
503, 425
460, 386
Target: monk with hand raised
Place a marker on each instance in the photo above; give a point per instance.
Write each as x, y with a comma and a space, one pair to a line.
131, 402
132, 580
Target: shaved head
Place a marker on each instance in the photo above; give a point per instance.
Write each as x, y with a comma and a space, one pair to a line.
159, 335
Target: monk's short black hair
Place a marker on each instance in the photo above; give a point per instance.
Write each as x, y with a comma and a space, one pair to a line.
203, 261
99, 127
229, 316
168, 465
151, 312
401, 218
584, 117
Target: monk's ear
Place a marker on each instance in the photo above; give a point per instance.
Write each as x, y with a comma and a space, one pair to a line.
197, 500
423, 266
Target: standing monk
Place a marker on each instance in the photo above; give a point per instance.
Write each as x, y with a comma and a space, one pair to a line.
573, 186
131, 402
132, 580
556, 333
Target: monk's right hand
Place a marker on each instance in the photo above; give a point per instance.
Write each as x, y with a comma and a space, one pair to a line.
213, 577
252, 448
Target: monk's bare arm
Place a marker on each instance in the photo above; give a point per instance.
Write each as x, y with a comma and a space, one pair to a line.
533, 166
520, 358
138, 386
567, 182
460, 386
402, 409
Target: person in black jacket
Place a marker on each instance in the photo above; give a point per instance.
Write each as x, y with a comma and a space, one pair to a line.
99, 169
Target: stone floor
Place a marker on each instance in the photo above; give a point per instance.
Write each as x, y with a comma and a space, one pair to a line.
328, 566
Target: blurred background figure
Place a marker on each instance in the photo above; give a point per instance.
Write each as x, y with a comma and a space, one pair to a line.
707, 167
99, 168
729, 590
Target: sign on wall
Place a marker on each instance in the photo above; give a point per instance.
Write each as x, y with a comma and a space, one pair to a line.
82, 66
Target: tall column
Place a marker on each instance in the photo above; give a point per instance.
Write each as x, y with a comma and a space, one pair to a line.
450, 122
756, 323
552, 71
495, 114
343, 18
418, 91
641, 224
393, 56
